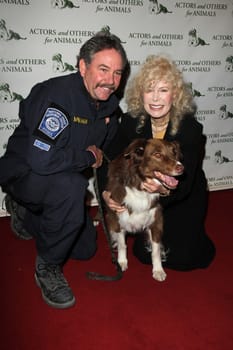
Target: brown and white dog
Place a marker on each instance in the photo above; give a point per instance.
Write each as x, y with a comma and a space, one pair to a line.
156, 159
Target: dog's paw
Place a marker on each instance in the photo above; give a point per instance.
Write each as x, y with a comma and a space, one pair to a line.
159, 275
123, 265
96, 223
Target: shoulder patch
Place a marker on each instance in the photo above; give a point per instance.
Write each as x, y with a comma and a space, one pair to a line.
53, 122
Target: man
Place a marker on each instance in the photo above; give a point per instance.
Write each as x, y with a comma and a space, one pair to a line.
64, 124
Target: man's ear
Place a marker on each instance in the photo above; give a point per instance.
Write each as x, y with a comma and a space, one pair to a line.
82, 67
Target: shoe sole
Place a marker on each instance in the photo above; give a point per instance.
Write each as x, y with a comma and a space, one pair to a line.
66, 305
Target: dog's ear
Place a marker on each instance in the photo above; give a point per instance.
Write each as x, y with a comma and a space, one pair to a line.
136, 149
176, 150
139, 151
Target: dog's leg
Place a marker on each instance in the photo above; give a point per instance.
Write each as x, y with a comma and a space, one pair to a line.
122, 250
158, 272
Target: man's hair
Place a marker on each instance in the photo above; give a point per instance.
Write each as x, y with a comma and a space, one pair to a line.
101, 41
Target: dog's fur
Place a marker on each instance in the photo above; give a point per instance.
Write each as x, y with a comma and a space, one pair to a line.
156, 159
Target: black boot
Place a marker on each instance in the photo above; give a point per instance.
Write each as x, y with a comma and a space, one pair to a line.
17, 213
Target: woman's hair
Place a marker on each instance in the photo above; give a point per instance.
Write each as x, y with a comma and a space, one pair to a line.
155, 69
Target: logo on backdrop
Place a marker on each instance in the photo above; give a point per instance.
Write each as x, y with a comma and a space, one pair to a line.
114, 6
203, 66
221, 91
68, 36
158, 39
202, 114
229, 64
62, 4
20, 65
195, 93
7, 95
156, 8
220, 158
194, 39
107, 30
224, 113
7, 34
226, 39
200, 10
60, 66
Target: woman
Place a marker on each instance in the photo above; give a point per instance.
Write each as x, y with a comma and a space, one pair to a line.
160, 105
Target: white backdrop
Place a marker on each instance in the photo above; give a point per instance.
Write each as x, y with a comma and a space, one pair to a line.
40, 39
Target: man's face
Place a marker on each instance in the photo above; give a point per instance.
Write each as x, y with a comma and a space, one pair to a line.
103, 75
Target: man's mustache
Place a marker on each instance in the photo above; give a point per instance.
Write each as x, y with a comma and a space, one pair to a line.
108, 86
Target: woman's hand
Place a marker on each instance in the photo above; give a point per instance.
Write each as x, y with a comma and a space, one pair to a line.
115, 206
151, 186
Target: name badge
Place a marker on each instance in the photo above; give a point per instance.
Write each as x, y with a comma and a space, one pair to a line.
42, 145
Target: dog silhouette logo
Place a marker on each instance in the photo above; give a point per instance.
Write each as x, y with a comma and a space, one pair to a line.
62, 4
106, 29
6, 95
195, 92
60, 66
194, 40
155, 8
224, 113
220, 159
229, 64
8, 34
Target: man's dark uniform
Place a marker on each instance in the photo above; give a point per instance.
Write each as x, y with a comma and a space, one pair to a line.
44, 162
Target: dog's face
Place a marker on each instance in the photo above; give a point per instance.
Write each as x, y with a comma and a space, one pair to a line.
157, 159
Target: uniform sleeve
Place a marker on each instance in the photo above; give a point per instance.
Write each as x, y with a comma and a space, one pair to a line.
48, 125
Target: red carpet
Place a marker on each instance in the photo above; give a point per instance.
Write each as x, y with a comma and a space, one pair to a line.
189, 311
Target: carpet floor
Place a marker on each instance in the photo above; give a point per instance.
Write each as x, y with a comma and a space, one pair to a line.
189, 311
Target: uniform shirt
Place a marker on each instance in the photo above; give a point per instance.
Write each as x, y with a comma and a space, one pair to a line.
58, 121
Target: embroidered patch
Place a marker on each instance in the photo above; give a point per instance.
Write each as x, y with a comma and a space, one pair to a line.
42, 145
80, 120
53, 122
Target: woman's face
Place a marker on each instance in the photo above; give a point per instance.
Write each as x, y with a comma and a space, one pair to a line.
158, 100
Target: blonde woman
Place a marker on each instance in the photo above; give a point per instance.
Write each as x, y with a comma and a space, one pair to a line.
160, 105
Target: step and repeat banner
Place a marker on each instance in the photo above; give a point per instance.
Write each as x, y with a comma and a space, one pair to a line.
40, 39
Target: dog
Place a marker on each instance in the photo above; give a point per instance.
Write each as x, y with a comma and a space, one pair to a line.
156, 159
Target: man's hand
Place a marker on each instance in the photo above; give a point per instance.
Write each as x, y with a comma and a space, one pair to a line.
115, 206
98, 154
